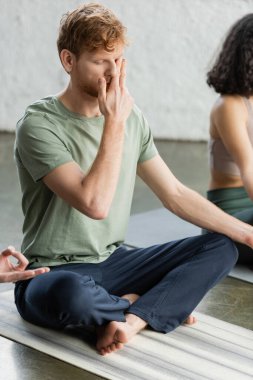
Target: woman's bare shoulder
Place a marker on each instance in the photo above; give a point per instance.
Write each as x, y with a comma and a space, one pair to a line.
229, 103
229, 107
229, 111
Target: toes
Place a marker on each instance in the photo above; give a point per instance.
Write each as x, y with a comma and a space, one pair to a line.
119, 345
190, 320
115, 346
106, 350
193, 320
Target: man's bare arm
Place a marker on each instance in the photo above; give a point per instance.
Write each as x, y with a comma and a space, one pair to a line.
189, 205
92, 193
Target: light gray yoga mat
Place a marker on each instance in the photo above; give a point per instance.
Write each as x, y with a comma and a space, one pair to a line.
211, 349
160, 226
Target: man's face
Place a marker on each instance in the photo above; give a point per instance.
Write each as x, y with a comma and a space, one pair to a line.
91, 66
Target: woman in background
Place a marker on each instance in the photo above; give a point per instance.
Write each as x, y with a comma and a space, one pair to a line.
231, 128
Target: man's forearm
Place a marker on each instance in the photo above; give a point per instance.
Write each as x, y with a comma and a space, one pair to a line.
100, 183
92, 192
192, 207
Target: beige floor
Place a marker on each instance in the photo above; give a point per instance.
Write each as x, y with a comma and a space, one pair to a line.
231, 300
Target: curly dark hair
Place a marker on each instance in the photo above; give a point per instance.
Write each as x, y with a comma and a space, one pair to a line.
232, 72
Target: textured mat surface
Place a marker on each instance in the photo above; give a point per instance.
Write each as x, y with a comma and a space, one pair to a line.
211, 349
160, 226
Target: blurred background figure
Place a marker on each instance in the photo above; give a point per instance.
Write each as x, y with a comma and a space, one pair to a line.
231, 128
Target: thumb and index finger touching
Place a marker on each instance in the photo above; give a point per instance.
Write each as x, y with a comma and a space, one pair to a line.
21, 265
22, 260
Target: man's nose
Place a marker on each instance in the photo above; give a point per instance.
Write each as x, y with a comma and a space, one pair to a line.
111, 70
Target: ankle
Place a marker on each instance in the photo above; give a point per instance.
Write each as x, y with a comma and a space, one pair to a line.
135, 322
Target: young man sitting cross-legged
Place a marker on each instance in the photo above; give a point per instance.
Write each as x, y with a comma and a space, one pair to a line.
77, 155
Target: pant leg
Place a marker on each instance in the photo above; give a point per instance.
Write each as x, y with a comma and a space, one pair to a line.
236, 202
245, 252
62, 297
171, 278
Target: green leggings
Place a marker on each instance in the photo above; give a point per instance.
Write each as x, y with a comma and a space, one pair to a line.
235, 201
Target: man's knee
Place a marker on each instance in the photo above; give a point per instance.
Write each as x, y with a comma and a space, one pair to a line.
63, 298
72, 297
226, 250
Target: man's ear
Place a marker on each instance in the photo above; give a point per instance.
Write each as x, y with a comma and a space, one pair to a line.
67, 60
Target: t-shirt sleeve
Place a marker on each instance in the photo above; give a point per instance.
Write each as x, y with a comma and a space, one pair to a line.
40, 147
148, 149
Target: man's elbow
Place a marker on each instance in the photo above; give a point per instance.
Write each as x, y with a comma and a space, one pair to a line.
97, 215
95, 212
173, 200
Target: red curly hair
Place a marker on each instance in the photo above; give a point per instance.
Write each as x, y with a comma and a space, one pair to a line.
89, 27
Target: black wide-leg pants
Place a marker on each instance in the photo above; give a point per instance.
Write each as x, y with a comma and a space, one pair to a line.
170, 278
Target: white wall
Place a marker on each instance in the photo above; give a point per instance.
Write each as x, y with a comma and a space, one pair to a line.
173, 42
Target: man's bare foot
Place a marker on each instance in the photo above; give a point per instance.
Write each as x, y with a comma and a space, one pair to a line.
114, 335
190, 320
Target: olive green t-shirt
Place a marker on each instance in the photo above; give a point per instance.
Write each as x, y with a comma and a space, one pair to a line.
49, 135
